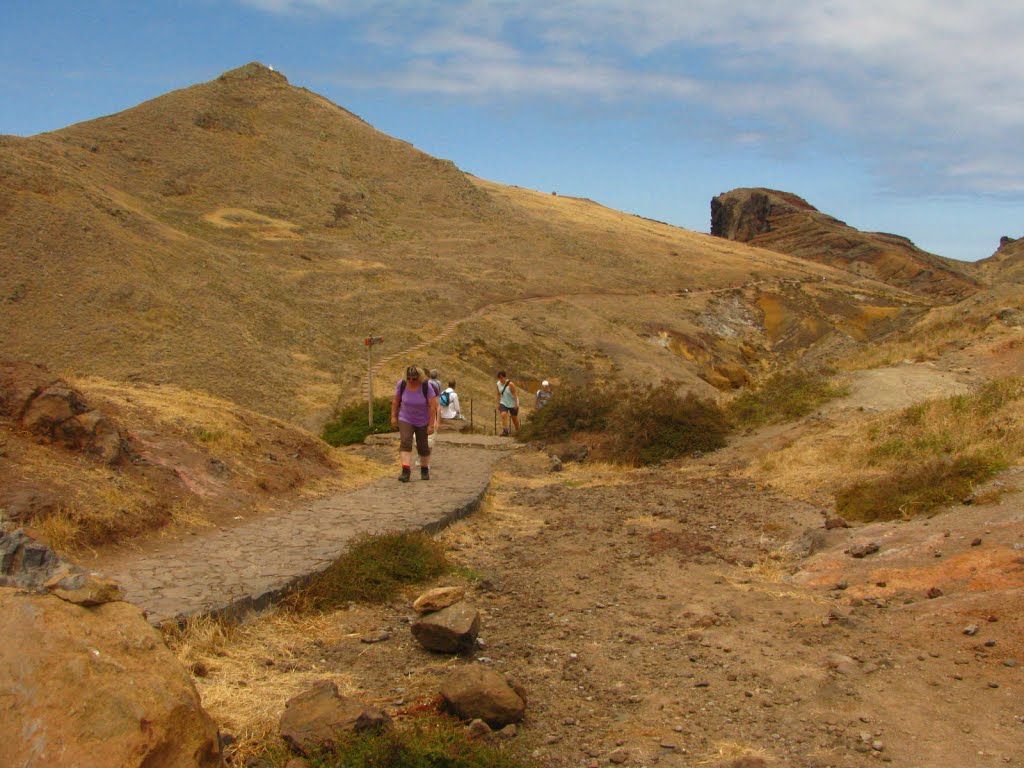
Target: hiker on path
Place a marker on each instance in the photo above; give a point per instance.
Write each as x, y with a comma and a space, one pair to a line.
449, 401
508, 403
543, 394
414, 413
435, 384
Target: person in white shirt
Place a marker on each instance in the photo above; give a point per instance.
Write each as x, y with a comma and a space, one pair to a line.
449, 401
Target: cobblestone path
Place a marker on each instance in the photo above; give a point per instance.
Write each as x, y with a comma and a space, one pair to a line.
248, 566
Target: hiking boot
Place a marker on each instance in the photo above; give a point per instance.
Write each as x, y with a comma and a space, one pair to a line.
424, 473
504, 433
404, 477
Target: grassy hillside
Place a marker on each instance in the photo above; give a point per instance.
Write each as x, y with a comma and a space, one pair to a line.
242, 236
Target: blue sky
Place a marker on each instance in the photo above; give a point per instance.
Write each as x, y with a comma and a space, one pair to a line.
901, 116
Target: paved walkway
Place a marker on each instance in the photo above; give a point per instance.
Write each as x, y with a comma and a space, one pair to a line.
247, 567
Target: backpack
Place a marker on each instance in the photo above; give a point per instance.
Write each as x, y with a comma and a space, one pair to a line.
401, 390
446, 398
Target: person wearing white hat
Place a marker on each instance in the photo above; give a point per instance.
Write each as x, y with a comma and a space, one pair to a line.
543, 394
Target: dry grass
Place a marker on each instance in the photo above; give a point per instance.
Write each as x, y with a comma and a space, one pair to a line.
731, 750
223, 427
246, 672
987, 425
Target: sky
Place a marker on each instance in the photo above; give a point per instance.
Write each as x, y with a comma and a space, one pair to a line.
900, 116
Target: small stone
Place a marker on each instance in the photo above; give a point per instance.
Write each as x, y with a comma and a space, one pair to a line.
478, 729
863, 550
971, 630
933, 593
976, 543
993, 685
618, 756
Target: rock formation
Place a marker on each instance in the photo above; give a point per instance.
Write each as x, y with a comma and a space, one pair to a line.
786, 223
94, 688
47, 406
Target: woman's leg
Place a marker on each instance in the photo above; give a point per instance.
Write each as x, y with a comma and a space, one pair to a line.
405, 433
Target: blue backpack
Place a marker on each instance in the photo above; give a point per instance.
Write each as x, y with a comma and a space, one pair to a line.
446, 398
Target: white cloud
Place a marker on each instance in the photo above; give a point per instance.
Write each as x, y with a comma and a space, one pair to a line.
929, 88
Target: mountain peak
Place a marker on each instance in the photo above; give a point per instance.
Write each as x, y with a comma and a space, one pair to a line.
254, 70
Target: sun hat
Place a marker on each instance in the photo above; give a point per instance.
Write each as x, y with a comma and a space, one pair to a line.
545, 383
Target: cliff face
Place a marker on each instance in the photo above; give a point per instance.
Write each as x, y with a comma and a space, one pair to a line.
1006, 265
786, 223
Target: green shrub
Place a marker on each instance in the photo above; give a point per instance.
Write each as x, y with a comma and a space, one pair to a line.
643, 424
373, 570
572, 409
350, 425
915, 490
783, 397
655, 424
430, 742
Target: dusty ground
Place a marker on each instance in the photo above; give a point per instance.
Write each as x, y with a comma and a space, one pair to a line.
685, 616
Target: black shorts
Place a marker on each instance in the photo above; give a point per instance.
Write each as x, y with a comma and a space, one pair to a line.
506, 409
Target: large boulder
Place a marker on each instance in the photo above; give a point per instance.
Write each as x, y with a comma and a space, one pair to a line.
316, 718
474, 692
95, 688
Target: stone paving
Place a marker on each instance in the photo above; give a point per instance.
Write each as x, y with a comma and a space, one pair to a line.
246, 567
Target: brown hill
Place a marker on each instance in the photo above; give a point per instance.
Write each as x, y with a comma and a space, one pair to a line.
1006, 265
783, 222
242, 236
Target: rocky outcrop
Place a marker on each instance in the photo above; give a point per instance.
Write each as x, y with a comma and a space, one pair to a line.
1006, 265
47, 406
95, 688
786, 223
24, 562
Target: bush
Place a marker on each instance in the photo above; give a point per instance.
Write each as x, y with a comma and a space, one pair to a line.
655, 424
430, 742
783, 397
910, 491
643, 425
350, 425
373, 570
572, 409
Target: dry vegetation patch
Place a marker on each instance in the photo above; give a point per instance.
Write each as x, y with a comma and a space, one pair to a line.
905, 463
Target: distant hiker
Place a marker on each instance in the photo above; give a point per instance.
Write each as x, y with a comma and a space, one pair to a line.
543, 394
449, 402
414, 412
508, 403
434, 381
